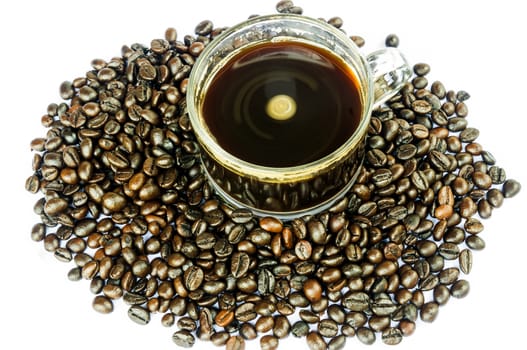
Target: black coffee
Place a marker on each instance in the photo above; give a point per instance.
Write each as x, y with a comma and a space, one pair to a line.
282, 104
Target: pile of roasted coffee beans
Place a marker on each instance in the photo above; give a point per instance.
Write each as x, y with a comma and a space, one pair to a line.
125, 200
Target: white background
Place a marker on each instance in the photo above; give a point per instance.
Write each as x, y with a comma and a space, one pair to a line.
475, 46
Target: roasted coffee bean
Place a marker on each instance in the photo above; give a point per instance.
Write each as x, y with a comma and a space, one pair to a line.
511, 188
281, 327
421, 69
183, 338
465, 261
248, 331
429, 311
441, 294
449, 275
235, 342
268, 342
366, 335
220, 338
139, 314
475, 242
327, 328
392, 336
102, 304
312, 290
460, 289
315, 341
300, 329
245, 312
240, 263
392, 40
193, 278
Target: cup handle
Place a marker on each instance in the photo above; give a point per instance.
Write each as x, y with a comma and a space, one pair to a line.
390, 71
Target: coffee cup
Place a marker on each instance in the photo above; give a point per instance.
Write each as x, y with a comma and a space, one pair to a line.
281, 105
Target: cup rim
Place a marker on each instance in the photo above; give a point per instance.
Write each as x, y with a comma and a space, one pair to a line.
297, 173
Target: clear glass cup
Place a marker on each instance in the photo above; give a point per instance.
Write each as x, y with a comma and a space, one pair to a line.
288, 192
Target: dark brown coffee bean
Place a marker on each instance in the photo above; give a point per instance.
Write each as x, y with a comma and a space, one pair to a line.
235, 342
193, 278
392, 40
203, 28
315, 341
511, 188
356, 301
460, 289
429, 311
271, 224
317, 231
366, 335
281, 327
392, 336
358, 40
300, 329
475, 242
102, 304
449, 275
139, 314
421, 69
327, 328
268, 342
465, 261
183, 338
473, 226
337, 343
264, 324
441, 294
240, 263
245, 312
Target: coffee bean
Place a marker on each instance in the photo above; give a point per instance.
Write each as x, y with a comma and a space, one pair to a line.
475, 242
429, 311
315, 341
268, 342
421, 69
460, 289
356, 301
473, 226
282, 327
183, 338
511, 188
366, 335
392, 336
193, 278
245, 312
235, 342
337, 343
283, 6
264, 324
102, 304
300, 329
469, 135
441, 294
449, 275
271, 224
240, 262
465, 261
139, 315
392, 40
248, 331
484, 209
317, 231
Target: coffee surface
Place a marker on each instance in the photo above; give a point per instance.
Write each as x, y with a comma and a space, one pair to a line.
282, 104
